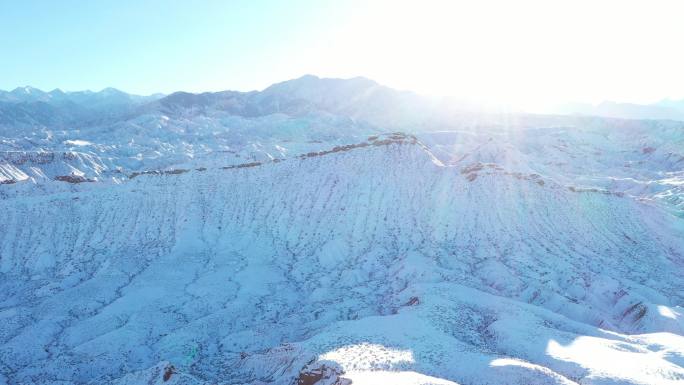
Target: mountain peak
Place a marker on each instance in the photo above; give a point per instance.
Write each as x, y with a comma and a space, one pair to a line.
112, 91
307, 77
27, 90
308, 81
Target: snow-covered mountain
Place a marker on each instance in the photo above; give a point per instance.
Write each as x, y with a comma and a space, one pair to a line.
327, 231
27, 107
664, 109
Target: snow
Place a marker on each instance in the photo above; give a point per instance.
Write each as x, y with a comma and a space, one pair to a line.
257, 249
77, 142
397, 378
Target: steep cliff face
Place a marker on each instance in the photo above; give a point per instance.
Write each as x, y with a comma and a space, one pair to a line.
372, 262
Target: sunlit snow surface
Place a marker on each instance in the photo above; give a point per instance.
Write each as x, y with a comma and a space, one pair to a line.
322, 248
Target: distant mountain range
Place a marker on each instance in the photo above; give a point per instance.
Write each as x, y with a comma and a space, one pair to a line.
28, 106
357, 97
663, 110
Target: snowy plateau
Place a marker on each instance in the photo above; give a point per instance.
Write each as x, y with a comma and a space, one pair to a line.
335, 232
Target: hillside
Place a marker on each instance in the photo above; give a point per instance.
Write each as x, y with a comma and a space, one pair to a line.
322, 247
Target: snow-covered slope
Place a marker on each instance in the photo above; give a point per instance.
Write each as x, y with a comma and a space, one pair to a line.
211, 247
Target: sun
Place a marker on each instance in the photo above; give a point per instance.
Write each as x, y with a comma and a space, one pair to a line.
505, 52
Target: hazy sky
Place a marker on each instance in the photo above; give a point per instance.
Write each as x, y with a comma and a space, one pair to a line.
527, 52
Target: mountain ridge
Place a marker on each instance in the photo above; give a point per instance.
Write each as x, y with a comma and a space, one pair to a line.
310, 88
276, 266
338, 232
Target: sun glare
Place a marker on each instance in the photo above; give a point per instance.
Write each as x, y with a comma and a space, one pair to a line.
525, 53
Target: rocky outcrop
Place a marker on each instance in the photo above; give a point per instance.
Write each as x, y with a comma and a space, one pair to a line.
322, 375
396, 138
595, 190
159, 172
19, 158
168, 372
43, 166
73, 179
242, 165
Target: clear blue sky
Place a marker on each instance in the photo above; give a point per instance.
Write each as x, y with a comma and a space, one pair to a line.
155, 46
524, 51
